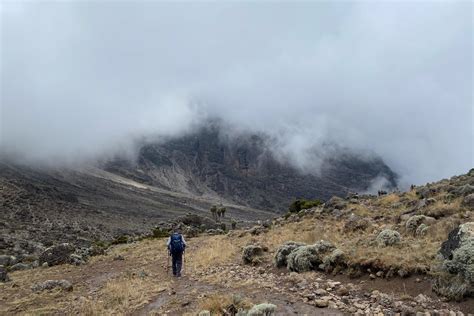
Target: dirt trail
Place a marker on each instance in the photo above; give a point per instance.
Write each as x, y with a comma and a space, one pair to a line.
133, 279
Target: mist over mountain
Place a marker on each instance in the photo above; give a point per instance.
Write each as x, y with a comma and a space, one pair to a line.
82, 82
245, 169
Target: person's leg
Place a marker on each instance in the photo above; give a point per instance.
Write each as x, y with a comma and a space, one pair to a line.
179, 263
174, 264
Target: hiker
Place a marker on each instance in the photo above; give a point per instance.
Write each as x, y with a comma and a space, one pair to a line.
176, 247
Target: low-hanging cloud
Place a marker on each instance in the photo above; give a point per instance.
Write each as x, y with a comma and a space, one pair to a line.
80, 80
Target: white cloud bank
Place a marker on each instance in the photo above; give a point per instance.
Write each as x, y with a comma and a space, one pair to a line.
84, 79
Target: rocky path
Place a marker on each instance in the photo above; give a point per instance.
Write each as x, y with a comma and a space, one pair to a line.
133, 280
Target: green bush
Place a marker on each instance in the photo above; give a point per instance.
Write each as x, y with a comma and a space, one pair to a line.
301, 204
306, 204
159, 232
120, 240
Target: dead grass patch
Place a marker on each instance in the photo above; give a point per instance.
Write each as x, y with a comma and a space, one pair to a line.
213, 250
121, 295
388, 200
218, 304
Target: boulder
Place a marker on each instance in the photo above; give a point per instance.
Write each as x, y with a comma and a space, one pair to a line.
252, 254
283, 251
55, 255
6, 260
388, 237
52, 284
321, 303
20, 266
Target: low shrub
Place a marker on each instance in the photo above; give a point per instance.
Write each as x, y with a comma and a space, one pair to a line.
301, 204
283, 252
120, 240
451, 287
159, 232
388, 237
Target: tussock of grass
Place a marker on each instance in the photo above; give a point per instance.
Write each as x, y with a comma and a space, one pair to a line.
218, 303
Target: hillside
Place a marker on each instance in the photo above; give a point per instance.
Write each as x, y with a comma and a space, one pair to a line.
404, 253
103, 201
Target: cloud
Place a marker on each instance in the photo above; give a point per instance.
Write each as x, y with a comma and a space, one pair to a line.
80, 80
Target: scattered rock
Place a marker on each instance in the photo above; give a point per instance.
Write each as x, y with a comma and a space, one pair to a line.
119, 258
321, 303
6, 260
51, 284
20, 266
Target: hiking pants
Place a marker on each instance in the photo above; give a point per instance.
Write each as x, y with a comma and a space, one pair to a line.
177, 262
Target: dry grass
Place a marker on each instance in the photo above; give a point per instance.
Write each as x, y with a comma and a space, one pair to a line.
213, 250
388, 200
442, 209
121, 295
217, 303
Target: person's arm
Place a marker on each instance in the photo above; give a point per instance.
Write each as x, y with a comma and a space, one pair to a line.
168, 243
184, 241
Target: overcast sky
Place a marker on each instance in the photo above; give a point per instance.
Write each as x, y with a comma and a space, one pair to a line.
80, 79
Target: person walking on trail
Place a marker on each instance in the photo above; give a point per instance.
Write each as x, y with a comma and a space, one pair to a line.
176, 247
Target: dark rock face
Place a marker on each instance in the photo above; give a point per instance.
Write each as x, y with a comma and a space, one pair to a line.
245, 170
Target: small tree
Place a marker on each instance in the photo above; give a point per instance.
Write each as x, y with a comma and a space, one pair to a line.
295, 207
223, 210
213, 211
233, 223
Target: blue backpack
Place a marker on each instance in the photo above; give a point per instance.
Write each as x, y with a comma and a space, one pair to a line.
176, 244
